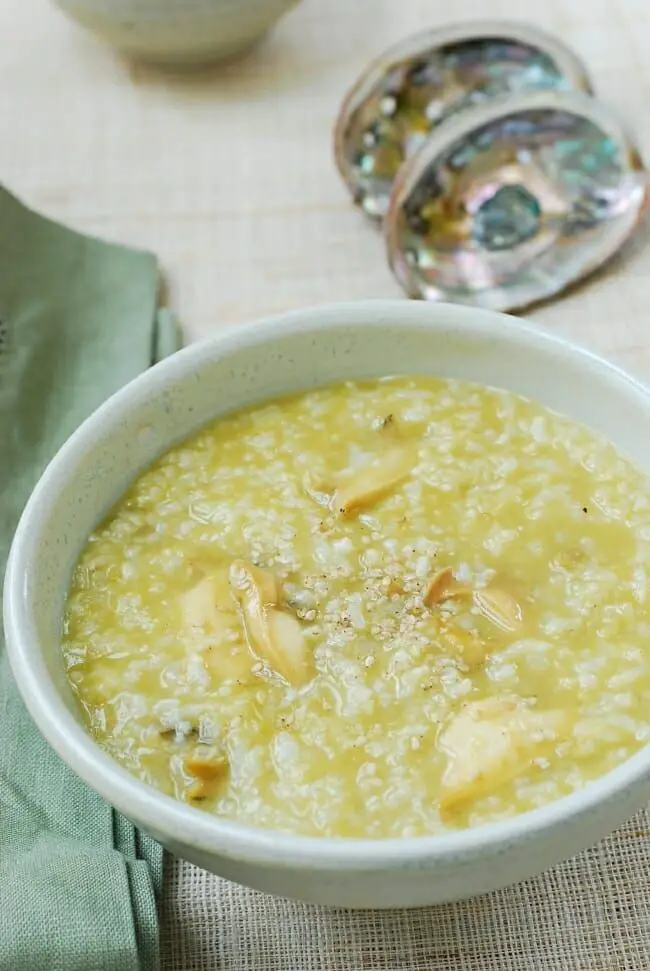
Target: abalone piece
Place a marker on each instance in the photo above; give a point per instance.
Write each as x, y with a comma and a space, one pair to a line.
418, 83
509, 203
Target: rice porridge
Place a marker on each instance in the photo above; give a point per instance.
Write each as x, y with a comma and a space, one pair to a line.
384, 608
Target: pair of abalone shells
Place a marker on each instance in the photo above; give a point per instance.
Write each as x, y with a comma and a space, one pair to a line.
499, 179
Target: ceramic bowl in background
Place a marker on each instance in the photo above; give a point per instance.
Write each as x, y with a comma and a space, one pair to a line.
286, 354
177, 31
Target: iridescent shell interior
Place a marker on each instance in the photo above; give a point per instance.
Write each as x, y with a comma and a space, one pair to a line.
403, 96
509, 204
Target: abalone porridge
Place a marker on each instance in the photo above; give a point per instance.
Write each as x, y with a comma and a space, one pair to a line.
385, 608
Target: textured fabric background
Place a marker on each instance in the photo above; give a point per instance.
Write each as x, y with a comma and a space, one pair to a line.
590, 914
228, 177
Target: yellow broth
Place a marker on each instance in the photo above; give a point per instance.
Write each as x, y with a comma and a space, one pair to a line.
378, 609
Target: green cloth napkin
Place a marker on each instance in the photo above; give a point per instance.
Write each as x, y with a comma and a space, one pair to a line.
78, 883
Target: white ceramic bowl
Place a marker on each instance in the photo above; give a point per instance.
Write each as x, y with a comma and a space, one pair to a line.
177, 31
288, 353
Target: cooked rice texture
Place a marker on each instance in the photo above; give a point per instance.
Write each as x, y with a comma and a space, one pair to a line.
378, 609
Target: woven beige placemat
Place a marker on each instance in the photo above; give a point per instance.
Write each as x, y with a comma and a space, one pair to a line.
589, 914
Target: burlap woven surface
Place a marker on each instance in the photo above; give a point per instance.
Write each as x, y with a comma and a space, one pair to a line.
589, 914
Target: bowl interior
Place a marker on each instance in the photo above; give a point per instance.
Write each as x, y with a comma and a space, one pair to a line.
294, 352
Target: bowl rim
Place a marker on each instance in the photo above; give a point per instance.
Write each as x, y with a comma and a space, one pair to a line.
203, 832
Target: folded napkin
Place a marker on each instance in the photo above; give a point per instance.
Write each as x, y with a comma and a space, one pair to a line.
78, 883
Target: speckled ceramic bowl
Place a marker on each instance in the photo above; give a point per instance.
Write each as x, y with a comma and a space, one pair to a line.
283, 354
177, 31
